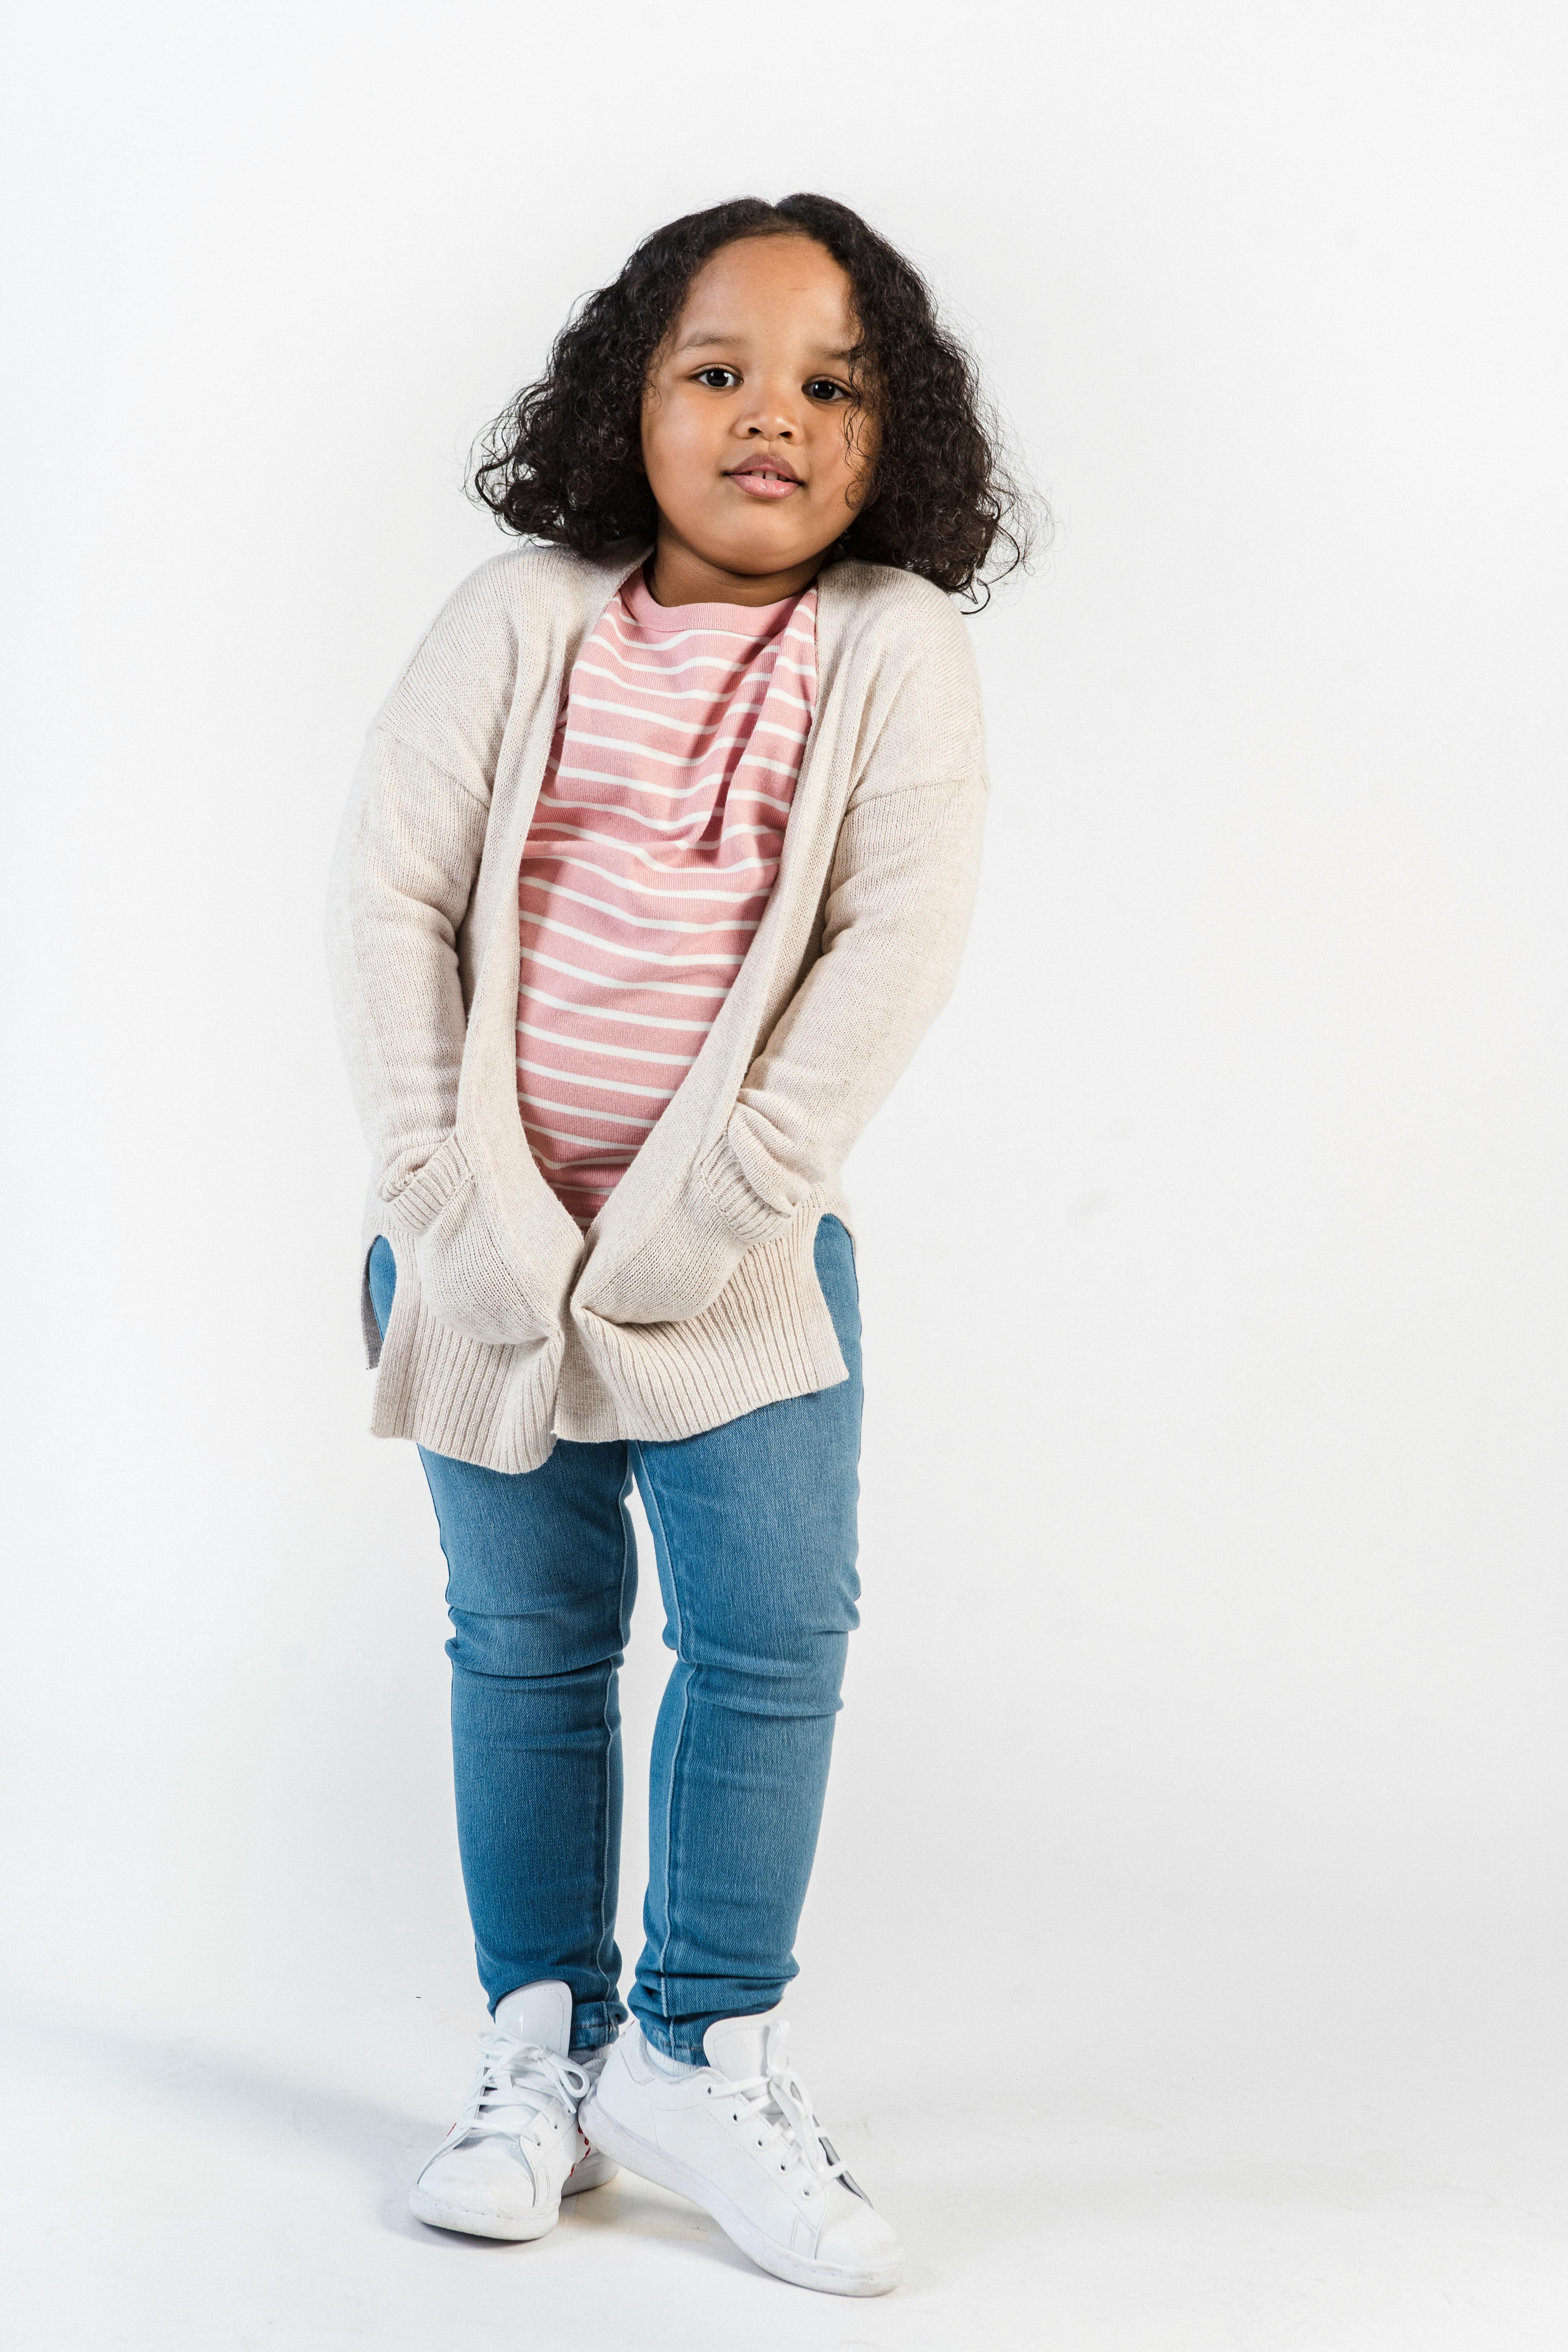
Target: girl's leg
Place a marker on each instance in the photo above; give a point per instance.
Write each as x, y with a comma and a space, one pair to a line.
542, 1574
754, 1529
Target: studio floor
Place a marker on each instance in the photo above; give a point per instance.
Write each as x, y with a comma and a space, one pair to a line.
162, 2192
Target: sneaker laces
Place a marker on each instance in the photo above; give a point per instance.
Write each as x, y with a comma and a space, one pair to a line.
779, 2102
519, 2076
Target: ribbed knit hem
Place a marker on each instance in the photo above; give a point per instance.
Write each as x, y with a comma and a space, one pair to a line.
475, 1400
768, 1336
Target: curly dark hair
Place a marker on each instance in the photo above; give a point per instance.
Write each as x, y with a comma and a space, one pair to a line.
565, 462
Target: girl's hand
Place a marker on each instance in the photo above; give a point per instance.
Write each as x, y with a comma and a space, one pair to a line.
464, 1278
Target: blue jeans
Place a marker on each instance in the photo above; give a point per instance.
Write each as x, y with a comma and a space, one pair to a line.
754, 1532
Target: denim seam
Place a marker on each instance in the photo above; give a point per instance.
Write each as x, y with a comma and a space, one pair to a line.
661, 1539
628, 1540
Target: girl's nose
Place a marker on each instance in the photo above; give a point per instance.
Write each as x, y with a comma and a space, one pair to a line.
768, 424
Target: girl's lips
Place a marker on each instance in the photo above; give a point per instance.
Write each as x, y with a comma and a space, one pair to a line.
763, 486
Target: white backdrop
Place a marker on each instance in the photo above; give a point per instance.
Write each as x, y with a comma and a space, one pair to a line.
1194, 1844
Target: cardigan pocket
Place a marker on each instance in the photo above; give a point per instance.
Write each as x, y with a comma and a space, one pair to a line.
678, 1270
412, 1206
465, 1281
724, 1182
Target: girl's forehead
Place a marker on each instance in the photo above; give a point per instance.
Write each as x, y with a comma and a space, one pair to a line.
768, 272
767, 283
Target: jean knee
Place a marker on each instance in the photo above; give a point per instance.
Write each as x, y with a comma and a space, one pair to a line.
813, 1678
532, 1647
800, 1678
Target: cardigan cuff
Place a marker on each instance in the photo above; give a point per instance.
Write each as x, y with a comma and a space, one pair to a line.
443, 1176
724, 1182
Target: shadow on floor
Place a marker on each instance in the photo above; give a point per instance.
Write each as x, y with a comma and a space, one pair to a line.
386, 2144
258, 2099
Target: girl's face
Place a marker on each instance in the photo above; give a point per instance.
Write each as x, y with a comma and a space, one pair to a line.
755, 439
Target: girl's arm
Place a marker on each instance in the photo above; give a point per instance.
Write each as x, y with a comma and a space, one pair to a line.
407, 856
900, 894
898, 912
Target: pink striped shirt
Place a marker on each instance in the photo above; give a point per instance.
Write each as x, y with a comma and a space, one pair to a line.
648, 863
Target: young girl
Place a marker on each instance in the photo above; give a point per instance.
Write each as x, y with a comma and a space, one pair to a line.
658, 865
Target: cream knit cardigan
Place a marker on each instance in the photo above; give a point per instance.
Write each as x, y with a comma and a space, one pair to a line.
693, 1297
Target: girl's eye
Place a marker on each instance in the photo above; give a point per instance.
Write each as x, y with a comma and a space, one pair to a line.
822, 387
716, 379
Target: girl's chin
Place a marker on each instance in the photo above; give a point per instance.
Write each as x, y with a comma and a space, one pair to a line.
759, 548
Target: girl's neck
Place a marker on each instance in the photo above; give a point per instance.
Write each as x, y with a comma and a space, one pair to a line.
677, 575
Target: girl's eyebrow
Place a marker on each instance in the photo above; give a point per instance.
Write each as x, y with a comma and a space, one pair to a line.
710, 341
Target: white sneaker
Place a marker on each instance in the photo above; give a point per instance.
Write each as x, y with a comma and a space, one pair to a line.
516, 2149
739, 2136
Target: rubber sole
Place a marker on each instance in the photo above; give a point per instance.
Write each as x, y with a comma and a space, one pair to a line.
640, 2156
439, 2213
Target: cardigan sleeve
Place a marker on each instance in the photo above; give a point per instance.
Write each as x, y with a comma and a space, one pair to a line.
407, 855
898, 901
